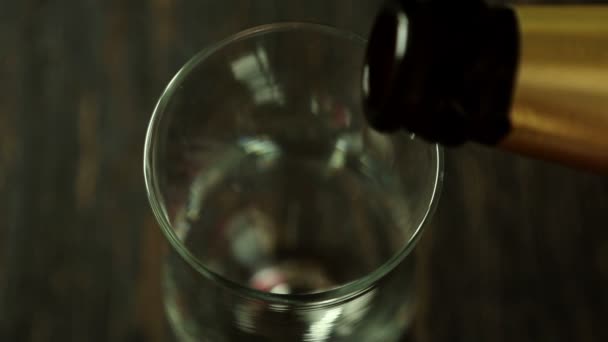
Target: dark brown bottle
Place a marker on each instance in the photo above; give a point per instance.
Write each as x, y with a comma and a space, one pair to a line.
530, 79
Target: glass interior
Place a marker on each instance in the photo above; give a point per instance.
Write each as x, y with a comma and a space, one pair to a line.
260, 165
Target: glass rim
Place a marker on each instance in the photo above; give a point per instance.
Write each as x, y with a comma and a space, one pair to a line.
330, 295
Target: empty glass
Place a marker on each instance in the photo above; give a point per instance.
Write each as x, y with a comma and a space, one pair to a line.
290, 220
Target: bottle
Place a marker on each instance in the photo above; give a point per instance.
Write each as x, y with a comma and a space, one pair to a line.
529, 79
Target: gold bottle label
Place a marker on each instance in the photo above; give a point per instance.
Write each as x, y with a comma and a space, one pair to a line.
560, 104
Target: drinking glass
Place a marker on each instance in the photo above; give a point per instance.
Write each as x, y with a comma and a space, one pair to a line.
289, 219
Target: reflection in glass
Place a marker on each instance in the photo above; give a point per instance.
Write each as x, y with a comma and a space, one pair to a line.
290, 219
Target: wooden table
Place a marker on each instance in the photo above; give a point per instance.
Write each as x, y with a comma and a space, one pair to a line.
518, 249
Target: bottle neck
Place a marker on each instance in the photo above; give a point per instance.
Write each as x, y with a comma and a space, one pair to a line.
533, 79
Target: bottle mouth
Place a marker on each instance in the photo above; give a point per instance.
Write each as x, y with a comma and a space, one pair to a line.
444, 71
386, 49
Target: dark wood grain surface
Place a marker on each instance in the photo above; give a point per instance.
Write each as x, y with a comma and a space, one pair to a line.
517, 251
